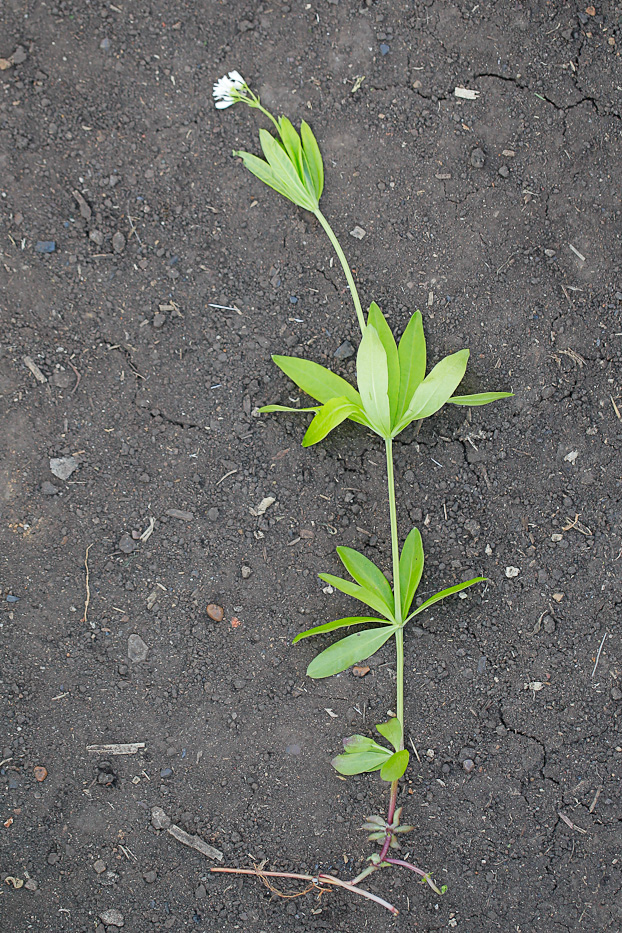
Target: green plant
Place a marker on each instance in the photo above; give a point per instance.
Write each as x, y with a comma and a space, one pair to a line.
392, 391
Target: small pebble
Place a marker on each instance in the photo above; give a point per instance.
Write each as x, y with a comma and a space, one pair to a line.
212, 514
616, 694
53, 858
345, 351
159, 320
113, 918
31, 885
384, 48
97, 237
99, 866
49, 489
246, 572
182, 516
549, 625
358, 233
215, 612
478, 158
159, 819
62, 380
126, 544
150, 876
118, 242
45, 246
511, 572
504, 171
166, 772
137, 650
40, 773
239, 683
468, 764
63, 467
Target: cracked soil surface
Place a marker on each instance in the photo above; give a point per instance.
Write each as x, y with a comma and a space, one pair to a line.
148, 279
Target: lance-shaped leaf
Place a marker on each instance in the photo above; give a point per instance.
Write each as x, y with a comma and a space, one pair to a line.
377, 320
411, 568
283, 168
350, 650
292, 145
361, 743
362, 593
317, 381
330, 415
436, 389
313, 158
391, 730
358, 764
444, 593
394, 767
373, 381
265, 409
412, 359
265, 173
367, 575
482, 398
337, 624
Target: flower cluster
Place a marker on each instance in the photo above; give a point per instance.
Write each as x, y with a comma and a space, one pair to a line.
227, 90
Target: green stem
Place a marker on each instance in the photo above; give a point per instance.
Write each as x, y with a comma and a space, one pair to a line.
344, 265
395, 551
399, 635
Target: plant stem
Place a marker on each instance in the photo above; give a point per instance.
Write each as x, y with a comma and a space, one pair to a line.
399, 635
344, 265
317, 879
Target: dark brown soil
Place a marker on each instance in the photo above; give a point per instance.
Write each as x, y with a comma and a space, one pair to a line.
500, 219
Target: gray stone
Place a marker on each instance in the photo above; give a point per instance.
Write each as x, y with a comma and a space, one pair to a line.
246, 572
504, 171
345, 351
137, 650
118, 242
159, 320
549, 625
49, 489
113, 917
97, 237
212, 514
478, 158
159, 819
126, 544
62, 380
182, 516
99, 866
63, 467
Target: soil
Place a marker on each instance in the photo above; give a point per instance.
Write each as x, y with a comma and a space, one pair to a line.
149, 278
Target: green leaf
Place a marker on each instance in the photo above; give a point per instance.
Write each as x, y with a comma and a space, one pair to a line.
335, 624
350, 650
437, 387
363, 594
395, 766
358, 764
444, 593
361, 743
330, 416
313, 158
263, 172
377, 320
412, 358
265, 409
391, 730
373, 381
317, 381
411, 568
367, 574
286, 172
482, 398
293, 147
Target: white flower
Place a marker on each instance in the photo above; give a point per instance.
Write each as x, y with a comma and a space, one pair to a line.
225, 87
